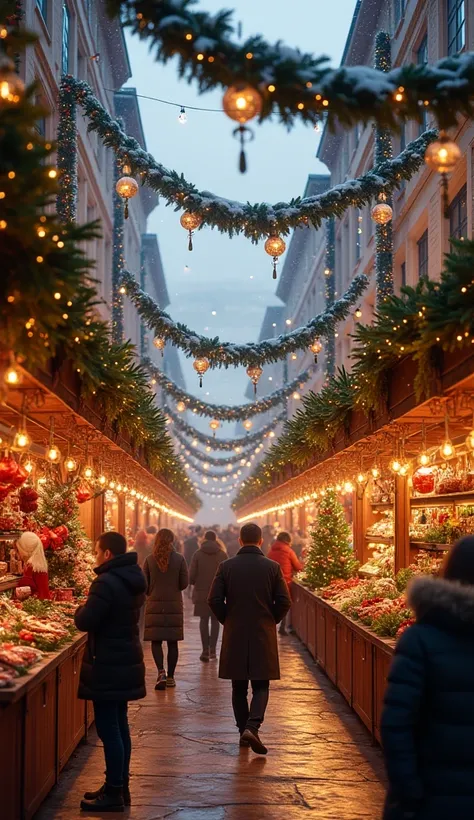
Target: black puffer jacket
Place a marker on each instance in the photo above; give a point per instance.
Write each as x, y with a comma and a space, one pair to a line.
113, 667
428, 718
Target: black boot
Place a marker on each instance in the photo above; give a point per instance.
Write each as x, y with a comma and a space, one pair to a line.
126, 794
109, 799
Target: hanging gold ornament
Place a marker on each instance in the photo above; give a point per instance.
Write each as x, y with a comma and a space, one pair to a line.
242, 102
201, 365
316, 348
181, 407
248, 424
190, 222
159, 343
254, 372
126, 187
275, 246
382, 212
11, 86
442, 156
214, 425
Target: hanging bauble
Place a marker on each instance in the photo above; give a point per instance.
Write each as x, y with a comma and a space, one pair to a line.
275, 246
382, 212
254, 372
28, 499
181, 407
316, 348
126, 187
214, 425
159, 343
201, 365
8, 469
11, 86
190, 222
248, 424
442, 156
242, 102
83, 494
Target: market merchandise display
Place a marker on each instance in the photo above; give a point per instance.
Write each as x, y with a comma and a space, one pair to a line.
42, 625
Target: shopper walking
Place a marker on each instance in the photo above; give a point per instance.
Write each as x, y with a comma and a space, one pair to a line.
201, 575
428, 717
166, 575
282, 552
249, 597
113, 671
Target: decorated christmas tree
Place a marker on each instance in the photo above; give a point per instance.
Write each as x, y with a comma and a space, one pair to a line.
67, 548
330, 554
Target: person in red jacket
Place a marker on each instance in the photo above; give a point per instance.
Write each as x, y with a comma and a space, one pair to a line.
35, 572
283, 554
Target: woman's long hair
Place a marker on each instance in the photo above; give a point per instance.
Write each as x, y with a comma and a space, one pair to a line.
163, 548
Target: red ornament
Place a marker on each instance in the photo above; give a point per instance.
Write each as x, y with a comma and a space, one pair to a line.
45, 537
8, 470
83, 494
28, 498
61, 531
20, 476
5, 490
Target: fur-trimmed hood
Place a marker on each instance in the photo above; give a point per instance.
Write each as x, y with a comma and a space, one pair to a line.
443, 603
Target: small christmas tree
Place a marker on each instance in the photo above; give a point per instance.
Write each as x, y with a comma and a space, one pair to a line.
330, 554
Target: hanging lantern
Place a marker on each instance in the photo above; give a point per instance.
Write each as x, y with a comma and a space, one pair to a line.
12, 375
275, 246
126, 187
70, 464
214, 425
442, 156
447, 448
242, 102
88, 472
53, 454
201, 365
254, 372
21, 440
181, 407
11, 86
159, 343
190, 222
248, 424
382, 212
316, 348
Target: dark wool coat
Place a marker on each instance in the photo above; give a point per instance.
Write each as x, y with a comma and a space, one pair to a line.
112, 666
249, 596
164, 619
428, 717
202, 573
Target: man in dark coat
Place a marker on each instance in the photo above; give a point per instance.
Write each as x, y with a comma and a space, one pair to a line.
250, 597
428, 719
113, 671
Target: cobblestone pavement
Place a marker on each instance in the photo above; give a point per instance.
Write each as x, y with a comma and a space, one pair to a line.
186, 763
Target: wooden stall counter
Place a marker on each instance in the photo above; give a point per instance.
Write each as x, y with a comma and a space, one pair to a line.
41, 723
355, 659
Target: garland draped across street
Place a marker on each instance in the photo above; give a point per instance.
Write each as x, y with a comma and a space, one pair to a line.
257, 221
224, 412
215, 462
434, 316
227, 354
224, 443
298, 86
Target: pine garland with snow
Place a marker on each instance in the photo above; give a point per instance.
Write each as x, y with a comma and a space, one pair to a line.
330, 554
189, 448
296, 85
224, 443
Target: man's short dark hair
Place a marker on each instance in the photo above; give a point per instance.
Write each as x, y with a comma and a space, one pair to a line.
250, 534
114, 542
152, 530
285, 537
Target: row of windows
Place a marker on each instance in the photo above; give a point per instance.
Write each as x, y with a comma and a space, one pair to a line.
456, 24
457, 230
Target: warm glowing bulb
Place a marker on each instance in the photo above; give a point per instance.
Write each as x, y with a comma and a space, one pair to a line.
395, 466
22, 440
360, 478
12, 376
70, 464
348, 487
133, 492
88, 472
424, 459
375, 472
53, 454
181, 407
296, 396
102, 479
119, 488
122, 290
447, 449
28, 465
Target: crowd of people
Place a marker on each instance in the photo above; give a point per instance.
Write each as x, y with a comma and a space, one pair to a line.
428, 716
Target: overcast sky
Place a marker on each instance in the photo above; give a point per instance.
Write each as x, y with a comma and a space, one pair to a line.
229, 276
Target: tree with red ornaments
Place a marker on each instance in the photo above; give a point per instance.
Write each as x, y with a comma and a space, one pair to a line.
330, 553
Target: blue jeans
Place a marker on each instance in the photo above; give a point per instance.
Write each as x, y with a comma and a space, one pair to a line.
111, 721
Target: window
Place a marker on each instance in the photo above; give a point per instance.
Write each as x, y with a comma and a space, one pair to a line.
422, 59
399, 10
458, 215
456, 26
65, 39
42, 5
423, 255
403, 272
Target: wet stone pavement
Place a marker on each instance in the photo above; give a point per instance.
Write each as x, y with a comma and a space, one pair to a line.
187, 765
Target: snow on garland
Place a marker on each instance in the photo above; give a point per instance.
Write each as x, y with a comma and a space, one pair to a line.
298, 86
212, 474
224, 443
255, 221
227, 354
189, 449
225, 412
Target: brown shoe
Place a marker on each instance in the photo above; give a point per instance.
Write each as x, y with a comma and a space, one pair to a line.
252, 738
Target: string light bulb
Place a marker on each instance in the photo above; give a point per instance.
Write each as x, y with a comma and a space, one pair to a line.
11, 86
248, 424
12, 376
447, 448
214, 425
159, 343
70, 464
21, 440
53, 454
181, 407
29, 466
88, 472
102, 479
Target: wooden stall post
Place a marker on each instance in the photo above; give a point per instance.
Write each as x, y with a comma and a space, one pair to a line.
121, 514
402, 523
98, 516
302, 519
359, 502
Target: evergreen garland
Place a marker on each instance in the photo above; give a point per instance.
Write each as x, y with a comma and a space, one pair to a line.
330, 290
224, 443
298, 86
330, 554
189, 449
383, 151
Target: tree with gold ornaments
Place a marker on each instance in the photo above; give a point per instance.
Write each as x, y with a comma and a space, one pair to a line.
330, 554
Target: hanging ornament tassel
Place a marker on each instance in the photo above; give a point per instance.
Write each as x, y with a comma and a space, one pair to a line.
200, 381
275, 260
255, 388
190, 241
243, 134
125, 210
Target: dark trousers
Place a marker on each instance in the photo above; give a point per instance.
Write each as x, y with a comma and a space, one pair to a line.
157, 652
209, 639
245, 717
111, 722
